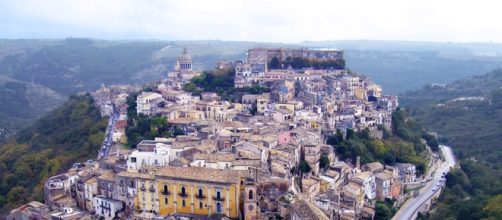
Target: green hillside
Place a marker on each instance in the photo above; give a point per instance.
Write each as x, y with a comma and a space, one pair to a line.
467, 115
69, 134
23, 103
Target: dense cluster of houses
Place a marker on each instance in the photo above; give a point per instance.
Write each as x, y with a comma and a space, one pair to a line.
236, 159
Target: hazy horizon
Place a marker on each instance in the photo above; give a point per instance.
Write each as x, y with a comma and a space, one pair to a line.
256, 21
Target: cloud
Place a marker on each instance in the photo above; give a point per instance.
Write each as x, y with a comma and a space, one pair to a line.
253, 20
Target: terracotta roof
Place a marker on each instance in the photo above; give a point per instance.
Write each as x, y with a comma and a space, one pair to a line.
136, 175
109, 176
373, 166
308, 211
200, 174
214, 157
308, 183
182, 121
246, 162
91, 180
363, 176
383, 176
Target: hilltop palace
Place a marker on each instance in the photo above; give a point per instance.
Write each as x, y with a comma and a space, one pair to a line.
240, 159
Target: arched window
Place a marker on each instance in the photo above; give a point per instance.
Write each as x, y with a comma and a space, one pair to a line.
183, 191
165, 188
165, 201
183, 203
200, 192
250, 194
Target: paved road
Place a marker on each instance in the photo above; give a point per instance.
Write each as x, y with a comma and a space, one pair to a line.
107, 142
408, 210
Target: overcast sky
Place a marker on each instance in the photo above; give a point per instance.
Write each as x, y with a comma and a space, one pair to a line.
255, 20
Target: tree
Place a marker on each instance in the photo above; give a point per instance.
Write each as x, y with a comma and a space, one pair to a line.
382, 211
274, 63
305, 167
177, 132
324, 162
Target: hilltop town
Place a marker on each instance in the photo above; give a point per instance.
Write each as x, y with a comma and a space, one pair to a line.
171, 154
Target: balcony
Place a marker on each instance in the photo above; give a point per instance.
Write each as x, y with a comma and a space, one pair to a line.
166, 193
152, 189
216, 198
143, 188
183, 195
198, 196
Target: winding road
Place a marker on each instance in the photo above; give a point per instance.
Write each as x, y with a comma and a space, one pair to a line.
410, 207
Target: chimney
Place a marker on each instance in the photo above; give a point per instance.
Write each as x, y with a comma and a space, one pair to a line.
358, 162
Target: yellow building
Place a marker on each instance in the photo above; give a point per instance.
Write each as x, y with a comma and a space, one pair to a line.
238, 106
262, 102
198, 190
315, 124
360, 93
194, 114
147, 197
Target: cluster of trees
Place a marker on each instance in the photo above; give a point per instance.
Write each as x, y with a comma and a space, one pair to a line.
403, 144
141, 127
147, 128
301, 63
385, 210
218, 80
221, 81
69, 134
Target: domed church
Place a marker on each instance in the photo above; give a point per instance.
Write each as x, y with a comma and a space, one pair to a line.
183, 71
184, 62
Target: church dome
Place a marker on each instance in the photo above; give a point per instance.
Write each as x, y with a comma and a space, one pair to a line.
185, 57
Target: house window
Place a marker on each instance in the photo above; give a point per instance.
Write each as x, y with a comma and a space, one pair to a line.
133, 159
200, 193
218, 207
183, 203
165, 188
165, 201
200, 205
183, 191
250, 194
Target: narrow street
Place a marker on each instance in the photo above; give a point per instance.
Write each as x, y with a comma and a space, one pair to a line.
108, 140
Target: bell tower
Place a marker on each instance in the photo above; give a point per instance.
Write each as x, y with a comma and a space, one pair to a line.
250, 198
